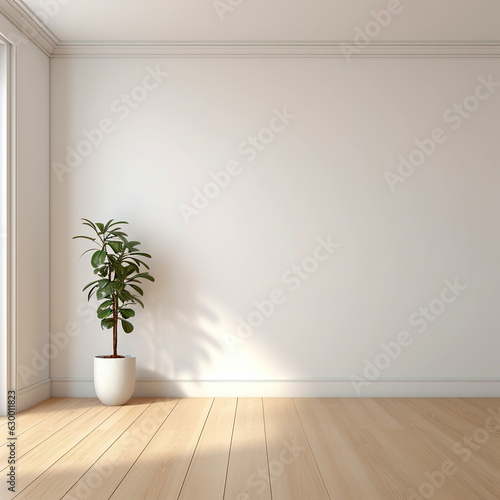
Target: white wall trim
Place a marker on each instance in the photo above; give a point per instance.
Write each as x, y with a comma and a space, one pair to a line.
12, 341
32, 395
26, 21
273, 49
289, 388
4, 264
11, 229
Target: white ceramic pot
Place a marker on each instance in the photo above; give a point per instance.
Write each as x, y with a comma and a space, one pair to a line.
114, 379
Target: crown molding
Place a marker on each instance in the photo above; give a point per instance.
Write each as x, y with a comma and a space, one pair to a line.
275, 49
26, 20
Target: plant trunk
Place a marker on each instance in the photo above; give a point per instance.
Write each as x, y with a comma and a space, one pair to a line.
115, 325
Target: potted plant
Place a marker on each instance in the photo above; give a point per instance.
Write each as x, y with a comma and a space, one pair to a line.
117, 262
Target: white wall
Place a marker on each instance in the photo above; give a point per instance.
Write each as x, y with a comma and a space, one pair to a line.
322, 176
32, 101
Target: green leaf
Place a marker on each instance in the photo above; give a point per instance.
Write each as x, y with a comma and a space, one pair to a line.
98, 258
125, 296
123, 238
131, 268
145, 276
107, 323
108, 224
109, 287
134, 280
137, 289
120, 272
118, 222
131, 244
104, 305
104, 313
89, 223
117, 246
139, 301
139, 262
142, 254
90, 284
91, 292
102, 271
85, 237
87, 251
104, 282
100, 226
127, 313
105, 291
127, 326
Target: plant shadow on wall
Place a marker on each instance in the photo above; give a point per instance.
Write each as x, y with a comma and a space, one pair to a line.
182, 329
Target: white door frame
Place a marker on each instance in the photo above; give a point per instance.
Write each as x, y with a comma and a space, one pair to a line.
9, 319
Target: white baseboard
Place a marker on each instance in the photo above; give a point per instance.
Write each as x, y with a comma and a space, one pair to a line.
289, 388
32, 395
73, 388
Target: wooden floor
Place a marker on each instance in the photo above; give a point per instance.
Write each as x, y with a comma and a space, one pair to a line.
269, 449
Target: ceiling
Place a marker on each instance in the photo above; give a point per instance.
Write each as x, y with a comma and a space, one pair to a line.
132, 21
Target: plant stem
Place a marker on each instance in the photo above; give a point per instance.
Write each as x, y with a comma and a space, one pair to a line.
115, 325
115, 316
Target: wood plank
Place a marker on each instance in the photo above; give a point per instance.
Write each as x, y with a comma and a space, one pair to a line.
38, 433
481, 474
448, 416
207, 473
471, 425
43, 410
39, 459
400, 409
160, 470
360, 413
455, 417
36, 414
63, 474
448, 433
293, 471
426, 459
428, 429
456, 439
347, 473
101, 480
476, 412
248, 455
482, 403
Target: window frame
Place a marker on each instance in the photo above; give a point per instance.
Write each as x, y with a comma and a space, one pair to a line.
8, 307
